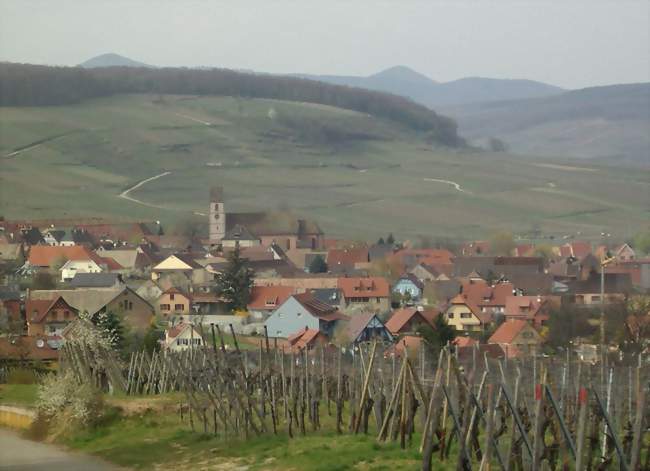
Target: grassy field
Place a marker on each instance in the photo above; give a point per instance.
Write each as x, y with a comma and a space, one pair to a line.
76, 160
18, 394
149, 434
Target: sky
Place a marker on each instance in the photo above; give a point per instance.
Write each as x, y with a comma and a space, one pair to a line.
568, 43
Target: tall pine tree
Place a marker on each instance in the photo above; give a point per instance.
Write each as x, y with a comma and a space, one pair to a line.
234, 284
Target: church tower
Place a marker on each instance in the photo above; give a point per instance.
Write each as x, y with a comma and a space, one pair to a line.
217, 215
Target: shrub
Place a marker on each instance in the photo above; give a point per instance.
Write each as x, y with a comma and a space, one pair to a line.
62, 399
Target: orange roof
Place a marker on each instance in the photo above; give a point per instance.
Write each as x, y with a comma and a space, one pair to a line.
347, 257
371, 287
37, 309
507, 331
269, 297
480, 293
45, 255
110, 263
402, 316
428, 256
303, 339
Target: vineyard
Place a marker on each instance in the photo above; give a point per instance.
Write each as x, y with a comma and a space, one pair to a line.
469, 413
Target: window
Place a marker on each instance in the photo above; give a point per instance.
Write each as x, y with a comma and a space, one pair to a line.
130, 306
527, 335
378, 300
179, 307
171, 296
595, 299
299, 314
450, 315
465, 315
270, 302
164, 307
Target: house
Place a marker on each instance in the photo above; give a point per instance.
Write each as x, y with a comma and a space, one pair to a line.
266, 299
372, 293
135, 312
576, 249
524, 250
96, 280
463, 315
45, 256
306, 339
441, 290
181, 337
173, 302
48, 317
474, 248
130, 259
367, 327
73, 267
624, 253
534, 309
409, 287
424, 272
300, 311
409, 319
497, 267
587, 292
516, 337
438, 258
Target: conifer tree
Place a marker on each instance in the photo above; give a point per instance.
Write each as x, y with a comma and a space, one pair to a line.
234, 284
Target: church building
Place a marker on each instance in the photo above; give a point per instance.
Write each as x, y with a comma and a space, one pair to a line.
260, 228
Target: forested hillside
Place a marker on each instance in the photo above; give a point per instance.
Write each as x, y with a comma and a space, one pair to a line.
34, 85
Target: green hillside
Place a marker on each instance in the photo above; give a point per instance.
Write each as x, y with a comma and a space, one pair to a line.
357, 175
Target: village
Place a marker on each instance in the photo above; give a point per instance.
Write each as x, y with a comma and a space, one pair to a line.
302, 289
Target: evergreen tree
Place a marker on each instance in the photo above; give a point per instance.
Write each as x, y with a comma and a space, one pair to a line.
439, 335
318, 265
390, 239
381, 241
236, 281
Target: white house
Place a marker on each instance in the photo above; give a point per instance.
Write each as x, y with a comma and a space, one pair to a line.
182, 337
72, 267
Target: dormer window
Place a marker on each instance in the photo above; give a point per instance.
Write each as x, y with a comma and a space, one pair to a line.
270, 302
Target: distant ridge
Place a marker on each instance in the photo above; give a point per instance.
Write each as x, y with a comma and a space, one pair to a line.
607, 123
111, 60
404, 81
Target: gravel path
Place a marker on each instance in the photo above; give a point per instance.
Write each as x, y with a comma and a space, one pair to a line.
19, 454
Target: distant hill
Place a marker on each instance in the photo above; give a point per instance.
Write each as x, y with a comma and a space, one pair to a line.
609, 123
111, 60
406, 82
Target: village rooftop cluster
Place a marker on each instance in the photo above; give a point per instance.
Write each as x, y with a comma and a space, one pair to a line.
306, 289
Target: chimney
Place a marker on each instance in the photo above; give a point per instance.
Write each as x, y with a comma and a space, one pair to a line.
302, 228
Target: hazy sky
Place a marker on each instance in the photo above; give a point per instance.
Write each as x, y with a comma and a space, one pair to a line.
563, 42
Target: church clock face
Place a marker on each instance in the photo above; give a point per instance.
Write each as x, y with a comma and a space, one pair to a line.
216, 216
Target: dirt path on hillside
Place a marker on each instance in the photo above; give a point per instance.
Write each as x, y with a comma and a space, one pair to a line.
448, 182
17, 453
125, 193
32, 146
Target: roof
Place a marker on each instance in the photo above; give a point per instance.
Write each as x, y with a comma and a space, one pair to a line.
303, 338
45, 255
371, 287
347, 257
269, 297
31, 348
174, 290
507, 331
272, 223
402, 316
358, 323
90, 300
578, 249
239, 232
619, 283
318, 308
428, 256
331, 296
481, 294
95, 280
484, 317
36, 310
413, 279
178, 329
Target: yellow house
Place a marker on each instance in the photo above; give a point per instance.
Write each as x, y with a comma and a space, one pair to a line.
462, 315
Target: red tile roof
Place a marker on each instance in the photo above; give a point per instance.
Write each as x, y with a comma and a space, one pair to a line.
347, 257
371, 287
482, 294
268, 298
401, 317
464, 342
45, 255
303, 339
507, 331
30, 348
577, 249
428, 256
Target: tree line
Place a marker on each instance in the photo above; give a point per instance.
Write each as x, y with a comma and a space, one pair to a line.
37, 85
